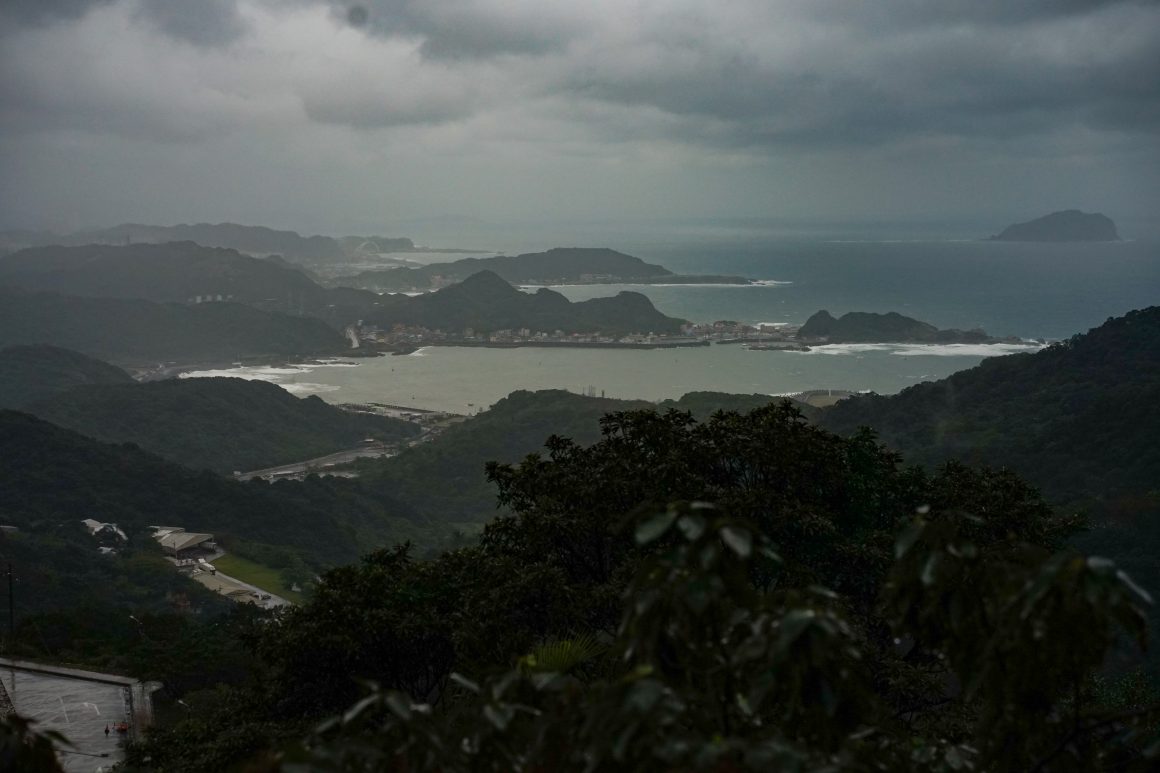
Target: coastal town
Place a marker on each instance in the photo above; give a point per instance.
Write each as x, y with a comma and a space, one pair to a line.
404, 339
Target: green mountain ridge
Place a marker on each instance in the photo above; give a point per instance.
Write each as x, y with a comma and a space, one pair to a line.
220, 424
142, 333
1078, 419
53, 475
37, 372
1075, 418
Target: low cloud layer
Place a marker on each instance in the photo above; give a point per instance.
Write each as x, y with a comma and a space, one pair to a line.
510, 108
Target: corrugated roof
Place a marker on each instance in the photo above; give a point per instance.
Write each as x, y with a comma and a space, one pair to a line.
183, 540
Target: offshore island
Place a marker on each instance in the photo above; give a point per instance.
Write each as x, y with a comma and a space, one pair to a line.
1070, 225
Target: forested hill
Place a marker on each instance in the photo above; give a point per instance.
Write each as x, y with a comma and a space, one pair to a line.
37, 372
1078, 418
485, 302
221, 424
52, 474
137, 332
806, 616
444, 480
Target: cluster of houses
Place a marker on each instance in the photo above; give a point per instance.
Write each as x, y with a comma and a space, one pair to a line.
730, 331
417, 335
174, 540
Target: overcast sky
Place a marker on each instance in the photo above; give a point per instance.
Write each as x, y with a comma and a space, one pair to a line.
329, 116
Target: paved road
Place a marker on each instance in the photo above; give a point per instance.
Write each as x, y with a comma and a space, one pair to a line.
224, 584
317, 464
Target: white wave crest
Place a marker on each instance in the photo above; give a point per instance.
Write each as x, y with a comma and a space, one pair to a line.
646, 285
307, 388
249, 373
280, 375
926, 350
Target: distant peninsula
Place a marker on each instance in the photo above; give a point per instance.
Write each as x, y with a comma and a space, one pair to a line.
249, 239
140, 334
892, 328
1068, 226
561, 265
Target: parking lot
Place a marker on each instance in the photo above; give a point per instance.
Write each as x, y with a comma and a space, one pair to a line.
77, 704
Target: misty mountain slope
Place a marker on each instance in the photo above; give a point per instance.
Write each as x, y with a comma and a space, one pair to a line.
252, 239
244, 238
179, 272
183, 271
221, 424
136, 332
52, 474
37, 372
1078, 418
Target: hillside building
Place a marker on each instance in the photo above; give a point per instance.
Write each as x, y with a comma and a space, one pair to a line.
179, 543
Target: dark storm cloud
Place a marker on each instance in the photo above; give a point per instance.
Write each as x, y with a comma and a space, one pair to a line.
604, 104
201, 22
454, 29
1063, 65
880, 71
902, 13
46, 11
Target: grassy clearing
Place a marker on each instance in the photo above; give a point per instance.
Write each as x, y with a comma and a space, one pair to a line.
255, 574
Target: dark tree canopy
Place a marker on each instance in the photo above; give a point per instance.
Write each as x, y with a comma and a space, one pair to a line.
750, 592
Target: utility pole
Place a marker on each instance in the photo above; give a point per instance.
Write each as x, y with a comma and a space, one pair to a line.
11, 609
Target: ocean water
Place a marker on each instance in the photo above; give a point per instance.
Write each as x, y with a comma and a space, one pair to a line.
1033, 291
1027, 290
